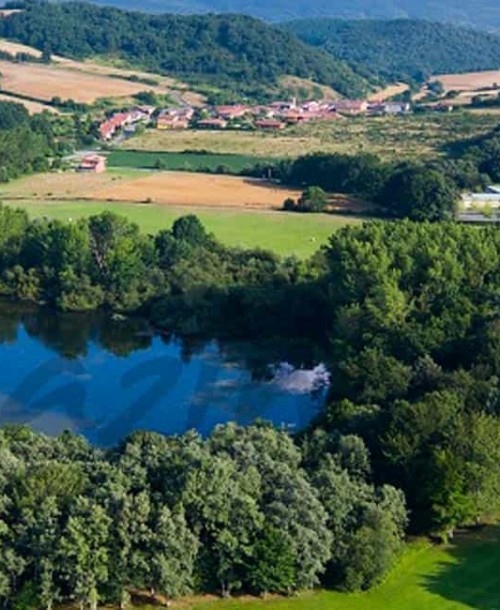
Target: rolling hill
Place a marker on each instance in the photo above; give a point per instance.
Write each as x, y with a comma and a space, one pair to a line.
239, 54
402, 50
479, 13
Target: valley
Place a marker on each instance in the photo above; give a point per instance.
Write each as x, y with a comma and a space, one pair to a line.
249, 323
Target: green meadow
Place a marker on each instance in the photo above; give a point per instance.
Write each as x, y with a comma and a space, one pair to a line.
284, 233
185, 161
464, 575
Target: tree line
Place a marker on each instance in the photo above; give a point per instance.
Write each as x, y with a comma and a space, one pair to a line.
418, 190
245, 510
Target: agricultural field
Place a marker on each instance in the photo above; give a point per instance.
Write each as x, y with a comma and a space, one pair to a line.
190, 162
45, 81
414, 136
285, 234
469, 81
389, 91
461, 576
162, 188
466, 86
83, 81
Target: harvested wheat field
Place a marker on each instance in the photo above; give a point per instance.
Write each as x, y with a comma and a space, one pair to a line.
390, 91
178, 188
164, 188
16, 47
469, 81
43, 82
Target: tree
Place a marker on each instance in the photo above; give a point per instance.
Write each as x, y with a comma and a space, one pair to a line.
84, 551
189, 229
173, 553
313, 199
373, 550
222, 505
39, 535
419, 193
272, 565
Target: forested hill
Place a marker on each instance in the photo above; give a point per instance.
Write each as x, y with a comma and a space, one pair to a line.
402, 49
478, 13
236, 52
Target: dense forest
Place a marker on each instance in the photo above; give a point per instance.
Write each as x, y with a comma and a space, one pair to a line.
239, 53
402, 50
406, 315
479, 13
244, 510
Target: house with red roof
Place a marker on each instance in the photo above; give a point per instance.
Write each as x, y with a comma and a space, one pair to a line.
93, 164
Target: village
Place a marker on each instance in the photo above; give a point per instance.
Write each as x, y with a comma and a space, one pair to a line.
276, 115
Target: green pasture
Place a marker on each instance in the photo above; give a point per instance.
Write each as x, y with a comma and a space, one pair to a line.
284, 233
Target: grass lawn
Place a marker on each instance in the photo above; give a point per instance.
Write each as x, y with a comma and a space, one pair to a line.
179, 161
283, 233
461, 576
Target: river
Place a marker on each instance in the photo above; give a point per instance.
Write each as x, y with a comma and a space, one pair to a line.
104, 378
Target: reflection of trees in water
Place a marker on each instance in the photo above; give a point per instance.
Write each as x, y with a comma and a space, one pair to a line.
122, 337
69, 334
9, 322
66, 334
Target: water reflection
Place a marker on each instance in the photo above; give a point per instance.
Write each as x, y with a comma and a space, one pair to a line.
106, 377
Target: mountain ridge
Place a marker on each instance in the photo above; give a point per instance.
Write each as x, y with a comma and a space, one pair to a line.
236, 53
402, 50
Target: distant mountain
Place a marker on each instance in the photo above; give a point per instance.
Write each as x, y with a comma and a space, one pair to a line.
477, 13
402, 49
239, 54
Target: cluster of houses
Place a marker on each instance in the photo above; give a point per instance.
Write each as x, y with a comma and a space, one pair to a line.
124, 121
274, 116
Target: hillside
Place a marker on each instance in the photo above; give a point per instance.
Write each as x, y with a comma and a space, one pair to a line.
478, 13
402, 49
237, 53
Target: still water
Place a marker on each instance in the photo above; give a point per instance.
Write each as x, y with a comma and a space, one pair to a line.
105, 378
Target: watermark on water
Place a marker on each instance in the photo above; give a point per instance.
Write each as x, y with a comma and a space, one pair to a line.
150, 394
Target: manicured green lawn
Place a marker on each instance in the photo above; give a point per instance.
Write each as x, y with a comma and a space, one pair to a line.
283, 233
179, 161
462, 576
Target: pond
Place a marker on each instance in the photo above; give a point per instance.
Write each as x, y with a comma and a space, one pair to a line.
104, 378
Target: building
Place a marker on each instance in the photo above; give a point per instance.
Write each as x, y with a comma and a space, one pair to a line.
167, 121
93, 164
212, 124
108, 128
270, 124
350, 107
397, 107
231, 112
175, 118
